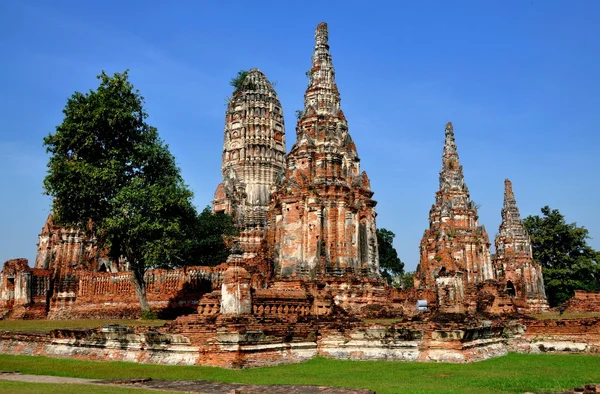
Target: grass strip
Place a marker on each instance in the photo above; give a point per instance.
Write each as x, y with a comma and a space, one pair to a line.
514, 373
48, 325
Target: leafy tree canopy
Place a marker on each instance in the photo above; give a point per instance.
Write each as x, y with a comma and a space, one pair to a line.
109, 166
390, 264
568, 262
214, 230
407, 280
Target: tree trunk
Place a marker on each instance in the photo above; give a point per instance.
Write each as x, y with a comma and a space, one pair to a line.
140, 288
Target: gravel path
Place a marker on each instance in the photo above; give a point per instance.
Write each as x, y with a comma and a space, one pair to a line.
189, 386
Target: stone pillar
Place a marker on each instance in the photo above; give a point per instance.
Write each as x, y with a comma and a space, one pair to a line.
236, 298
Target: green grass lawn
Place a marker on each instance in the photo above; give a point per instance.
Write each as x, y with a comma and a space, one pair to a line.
47, 325
514, 373
7, 387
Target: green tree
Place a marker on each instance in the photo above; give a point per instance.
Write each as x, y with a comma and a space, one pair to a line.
568, 262
214, 232
390, 264
407, 280
109, 166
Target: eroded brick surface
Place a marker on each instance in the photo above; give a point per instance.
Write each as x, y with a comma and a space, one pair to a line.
321, 220
455, 251
513, 262
253, 157
583, 301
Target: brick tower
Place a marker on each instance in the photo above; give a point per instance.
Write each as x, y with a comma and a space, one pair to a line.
455, 245
322, 217
515, 267
253, 157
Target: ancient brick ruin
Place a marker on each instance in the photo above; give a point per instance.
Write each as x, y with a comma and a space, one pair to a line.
455, 250
322, 217
513, 261
253, 157
306, 273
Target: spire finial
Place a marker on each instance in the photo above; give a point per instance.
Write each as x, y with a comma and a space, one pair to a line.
508, 190
512, 230
450, 152
510, 203
322, 34
322, 96
451, 175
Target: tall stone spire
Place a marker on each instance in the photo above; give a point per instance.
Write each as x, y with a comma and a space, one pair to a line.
451, 176
513, 261
253, 150
322, 93
322, 217
511, 225
454, 241
512, 233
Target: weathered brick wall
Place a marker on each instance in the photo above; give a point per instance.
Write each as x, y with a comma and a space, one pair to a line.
570, 335
238, 342
583, 301
106, 294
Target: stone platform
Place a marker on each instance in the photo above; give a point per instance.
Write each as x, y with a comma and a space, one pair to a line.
256, 344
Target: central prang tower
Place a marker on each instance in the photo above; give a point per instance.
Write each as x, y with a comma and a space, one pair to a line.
321, 216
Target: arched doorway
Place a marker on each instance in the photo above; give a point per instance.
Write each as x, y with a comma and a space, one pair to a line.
510, 289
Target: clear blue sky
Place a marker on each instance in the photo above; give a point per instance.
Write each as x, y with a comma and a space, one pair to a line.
520, 80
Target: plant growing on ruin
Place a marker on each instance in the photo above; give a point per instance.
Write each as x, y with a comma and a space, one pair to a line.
109, 166
238, 81
568, 262
299, 114
241, 81
149, 315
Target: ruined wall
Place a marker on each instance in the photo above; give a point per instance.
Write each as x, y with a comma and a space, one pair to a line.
63, 250
23, 291
568, 335
583, 301
322, 217
242, 343
112, 295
